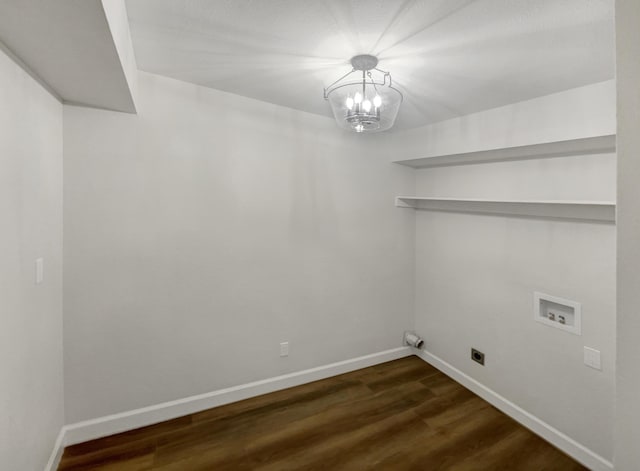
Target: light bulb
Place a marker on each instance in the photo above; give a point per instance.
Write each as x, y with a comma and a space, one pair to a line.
350, 103
357, 98
359, 128
366, 105
377, 101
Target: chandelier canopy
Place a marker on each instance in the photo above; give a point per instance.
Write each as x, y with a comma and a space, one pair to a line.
364, 99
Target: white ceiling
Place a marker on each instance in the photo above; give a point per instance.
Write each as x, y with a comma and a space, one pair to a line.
449, 57
68, 46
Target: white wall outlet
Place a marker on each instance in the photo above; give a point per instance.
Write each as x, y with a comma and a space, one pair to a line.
592, 358
39, 270
558, 312
284, 349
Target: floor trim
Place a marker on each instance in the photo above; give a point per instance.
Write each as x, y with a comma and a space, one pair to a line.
571, 447
103, 426
56, 453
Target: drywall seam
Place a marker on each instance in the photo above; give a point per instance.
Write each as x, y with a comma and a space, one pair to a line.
124, 421
565, 443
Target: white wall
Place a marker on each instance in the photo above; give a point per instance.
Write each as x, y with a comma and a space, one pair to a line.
627, 434
476, 274
209, 228
31, 392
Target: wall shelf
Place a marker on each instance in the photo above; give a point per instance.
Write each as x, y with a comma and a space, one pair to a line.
588, 145
594, 211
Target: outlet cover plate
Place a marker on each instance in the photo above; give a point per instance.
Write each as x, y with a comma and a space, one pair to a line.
592, 358
284, 349
39, 270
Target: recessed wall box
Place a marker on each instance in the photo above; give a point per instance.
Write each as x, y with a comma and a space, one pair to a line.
557, 312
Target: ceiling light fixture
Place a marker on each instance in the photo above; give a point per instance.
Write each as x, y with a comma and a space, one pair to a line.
365, 101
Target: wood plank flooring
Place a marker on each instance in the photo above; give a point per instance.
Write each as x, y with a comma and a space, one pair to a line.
400, 415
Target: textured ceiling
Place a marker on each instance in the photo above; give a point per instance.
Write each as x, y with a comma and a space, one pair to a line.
449, 57
68, 46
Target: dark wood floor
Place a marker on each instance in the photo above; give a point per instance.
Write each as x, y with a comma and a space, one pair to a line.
401, 415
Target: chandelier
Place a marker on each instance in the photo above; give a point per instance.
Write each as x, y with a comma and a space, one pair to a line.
364, 99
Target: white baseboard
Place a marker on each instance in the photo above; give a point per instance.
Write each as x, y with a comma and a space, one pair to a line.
122, 422
574, 449
56, 453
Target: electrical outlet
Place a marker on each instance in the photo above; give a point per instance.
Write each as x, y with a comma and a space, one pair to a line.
477, 356
284, 349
